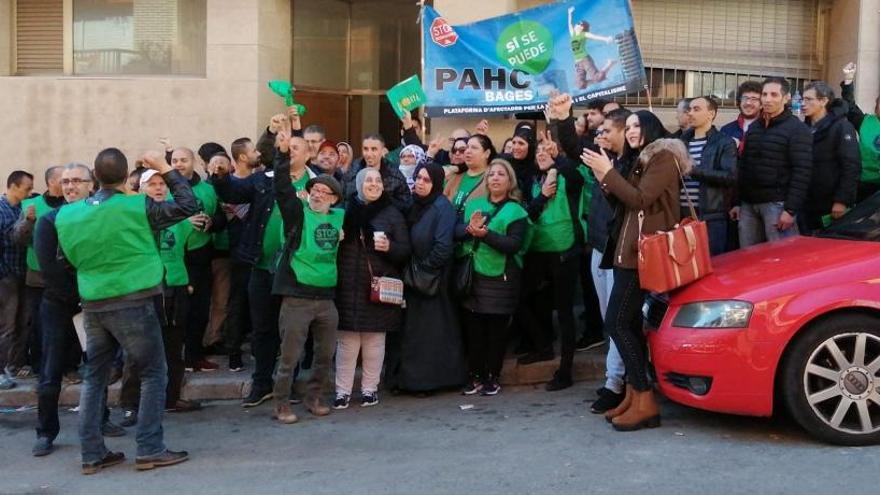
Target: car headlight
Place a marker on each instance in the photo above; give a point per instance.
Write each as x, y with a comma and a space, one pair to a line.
714, 314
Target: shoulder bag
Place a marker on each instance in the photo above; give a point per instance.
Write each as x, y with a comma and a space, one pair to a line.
383, 290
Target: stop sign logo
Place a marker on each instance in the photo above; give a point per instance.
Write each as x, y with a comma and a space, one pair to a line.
442, 33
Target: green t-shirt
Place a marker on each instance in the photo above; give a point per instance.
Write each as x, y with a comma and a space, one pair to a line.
467, 184
579, 46
273, 236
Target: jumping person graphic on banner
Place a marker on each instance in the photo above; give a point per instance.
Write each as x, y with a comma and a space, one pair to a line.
585, 68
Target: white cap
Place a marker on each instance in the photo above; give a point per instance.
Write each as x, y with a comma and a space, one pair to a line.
146, 176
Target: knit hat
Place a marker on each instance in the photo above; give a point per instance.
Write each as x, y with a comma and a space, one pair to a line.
328, 181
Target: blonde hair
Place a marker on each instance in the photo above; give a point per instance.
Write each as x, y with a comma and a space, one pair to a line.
513, 191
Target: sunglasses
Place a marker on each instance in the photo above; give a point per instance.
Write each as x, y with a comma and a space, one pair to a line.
458, 150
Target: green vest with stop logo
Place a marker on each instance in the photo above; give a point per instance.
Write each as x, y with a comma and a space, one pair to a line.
206, 197
172, 250
40, 209
314, 261
869, 146
554, 229
111, 245
488, 261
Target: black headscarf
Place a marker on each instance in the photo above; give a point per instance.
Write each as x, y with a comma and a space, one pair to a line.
359, 214
525, 169
422, 203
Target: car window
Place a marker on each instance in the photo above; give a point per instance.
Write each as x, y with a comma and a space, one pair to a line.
862, 223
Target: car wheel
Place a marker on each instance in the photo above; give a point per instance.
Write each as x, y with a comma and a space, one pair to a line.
830, 379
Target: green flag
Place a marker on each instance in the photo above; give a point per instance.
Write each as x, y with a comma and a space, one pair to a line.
285, 90
407, 95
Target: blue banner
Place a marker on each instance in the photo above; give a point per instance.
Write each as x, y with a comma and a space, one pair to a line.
509, 64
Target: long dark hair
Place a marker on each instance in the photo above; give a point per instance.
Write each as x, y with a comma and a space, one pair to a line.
652, 130
486, 144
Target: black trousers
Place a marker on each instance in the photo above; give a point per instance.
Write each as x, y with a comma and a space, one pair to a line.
238, 316
624, 325
593, 322
265, 340
487, 343
552, 277
198, 267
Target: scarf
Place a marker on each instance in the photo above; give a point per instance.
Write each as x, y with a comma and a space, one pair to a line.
422, 203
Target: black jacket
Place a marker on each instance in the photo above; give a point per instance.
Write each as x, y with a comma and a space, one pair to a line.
837, 162
716, 173
58, 274
392, 179
256, 189
777, 162
356, 312
432, 236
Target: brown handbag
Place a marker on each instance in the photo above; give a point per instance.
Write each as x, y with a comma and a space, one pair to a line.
672, 259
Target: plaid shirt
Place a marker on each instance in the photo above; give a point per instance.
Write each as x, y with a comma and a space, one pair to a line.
12, 256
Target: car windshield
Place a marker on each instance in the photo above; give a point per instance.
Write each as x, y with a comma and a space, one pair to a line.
862, 223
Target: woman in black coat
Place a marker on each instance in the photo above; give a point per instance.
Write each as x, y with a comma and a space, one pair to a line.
375, 240
430, 344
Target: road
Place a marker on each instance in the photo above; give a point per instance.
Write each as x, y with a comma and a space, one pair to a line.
520, 442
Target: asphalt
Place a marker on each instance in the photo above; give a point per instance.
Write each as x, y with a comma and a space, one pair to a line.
523, 441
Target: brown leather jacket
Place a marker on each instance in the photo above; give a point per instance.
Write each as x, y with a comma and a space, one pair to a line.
653, 187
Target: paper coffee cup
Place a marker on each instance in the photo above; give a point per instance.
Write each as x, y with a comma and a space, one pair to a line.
378, 235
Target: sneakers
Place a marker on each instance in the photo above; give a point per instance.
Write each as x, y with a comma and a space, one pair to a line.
490, 387
588, 342
342, 401
129, 418
42, 447
284, 415
183, 405
256, 397
536, 357
110, 459
608, 400
110, 429
473, 387
6, 381
167, 458
202, 365
369, 399
235, 363
559, 382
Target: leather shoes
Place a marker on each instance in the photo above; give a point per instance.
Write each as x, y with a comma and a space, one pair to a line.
283, 414
315, 407
110, 459
642, 413
183, 405
167, 458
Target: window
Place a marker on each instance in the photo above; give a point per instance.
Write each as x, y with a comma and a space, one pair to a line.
139, 37
39, 36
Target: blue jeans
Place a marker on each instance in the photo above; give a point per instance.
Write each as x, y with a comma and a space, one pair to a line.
757, 224
138, 331
717, 230
59, 337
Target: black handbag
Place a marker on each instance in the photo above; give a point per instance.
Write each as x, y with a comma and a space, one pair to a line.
463, 282
420, 279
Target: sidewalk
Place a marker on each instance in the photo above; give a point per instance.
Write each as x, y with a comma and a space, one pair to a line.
224, 384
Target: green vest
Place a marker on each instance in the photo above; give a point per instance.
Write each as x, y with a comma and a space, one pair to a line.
488, 261
869, 145
206, 197
314, 261
172, 250
41, 208
273, 236
111, 245
553, 231
579, 46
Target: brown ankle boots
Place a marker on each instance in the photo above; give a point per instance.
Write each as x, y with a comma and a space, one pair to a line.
643, 412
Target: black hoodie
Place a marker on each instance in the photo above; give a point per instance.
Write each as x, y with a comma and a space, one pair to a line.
837, 163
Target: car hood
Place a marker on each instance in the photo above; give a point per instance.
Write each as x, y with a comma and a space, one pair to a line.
783, 267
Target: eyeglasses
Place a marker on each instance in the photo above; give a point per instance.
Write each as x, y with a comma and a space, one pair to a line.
458, 150
750, 99
75, 182
599, 132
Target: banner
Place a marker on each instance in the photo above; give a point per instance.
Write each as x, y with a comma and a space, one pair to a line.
508, 64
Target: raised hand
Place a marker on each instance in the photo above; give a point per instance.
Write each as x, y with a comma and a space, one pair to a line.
166, 144
276, 123
406, 120
482, 127
155, 160
282, 141
849, 71
293, 119
435, 146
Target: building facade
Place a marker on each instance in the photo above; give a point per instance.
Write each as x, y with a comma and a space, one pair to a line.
80, 75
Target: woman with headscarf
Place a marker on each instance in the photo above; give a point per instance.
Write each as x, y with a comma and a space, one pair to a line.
431, 351
522, 157
411, 156
376, 239
647, 201
346, 156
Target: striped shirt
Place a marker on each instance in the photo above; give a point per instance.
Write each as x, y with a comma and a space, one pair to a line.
692, 187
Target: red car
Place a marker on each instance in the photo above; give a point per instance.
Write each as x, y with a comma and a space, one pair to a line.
794, 323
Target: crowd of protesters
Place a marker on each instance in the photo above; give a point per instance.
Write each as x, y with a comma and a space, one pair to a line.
294, 243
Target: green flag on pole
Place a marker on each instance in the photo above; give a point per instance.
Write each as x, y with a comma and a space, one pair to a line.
286, 90
407, 95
